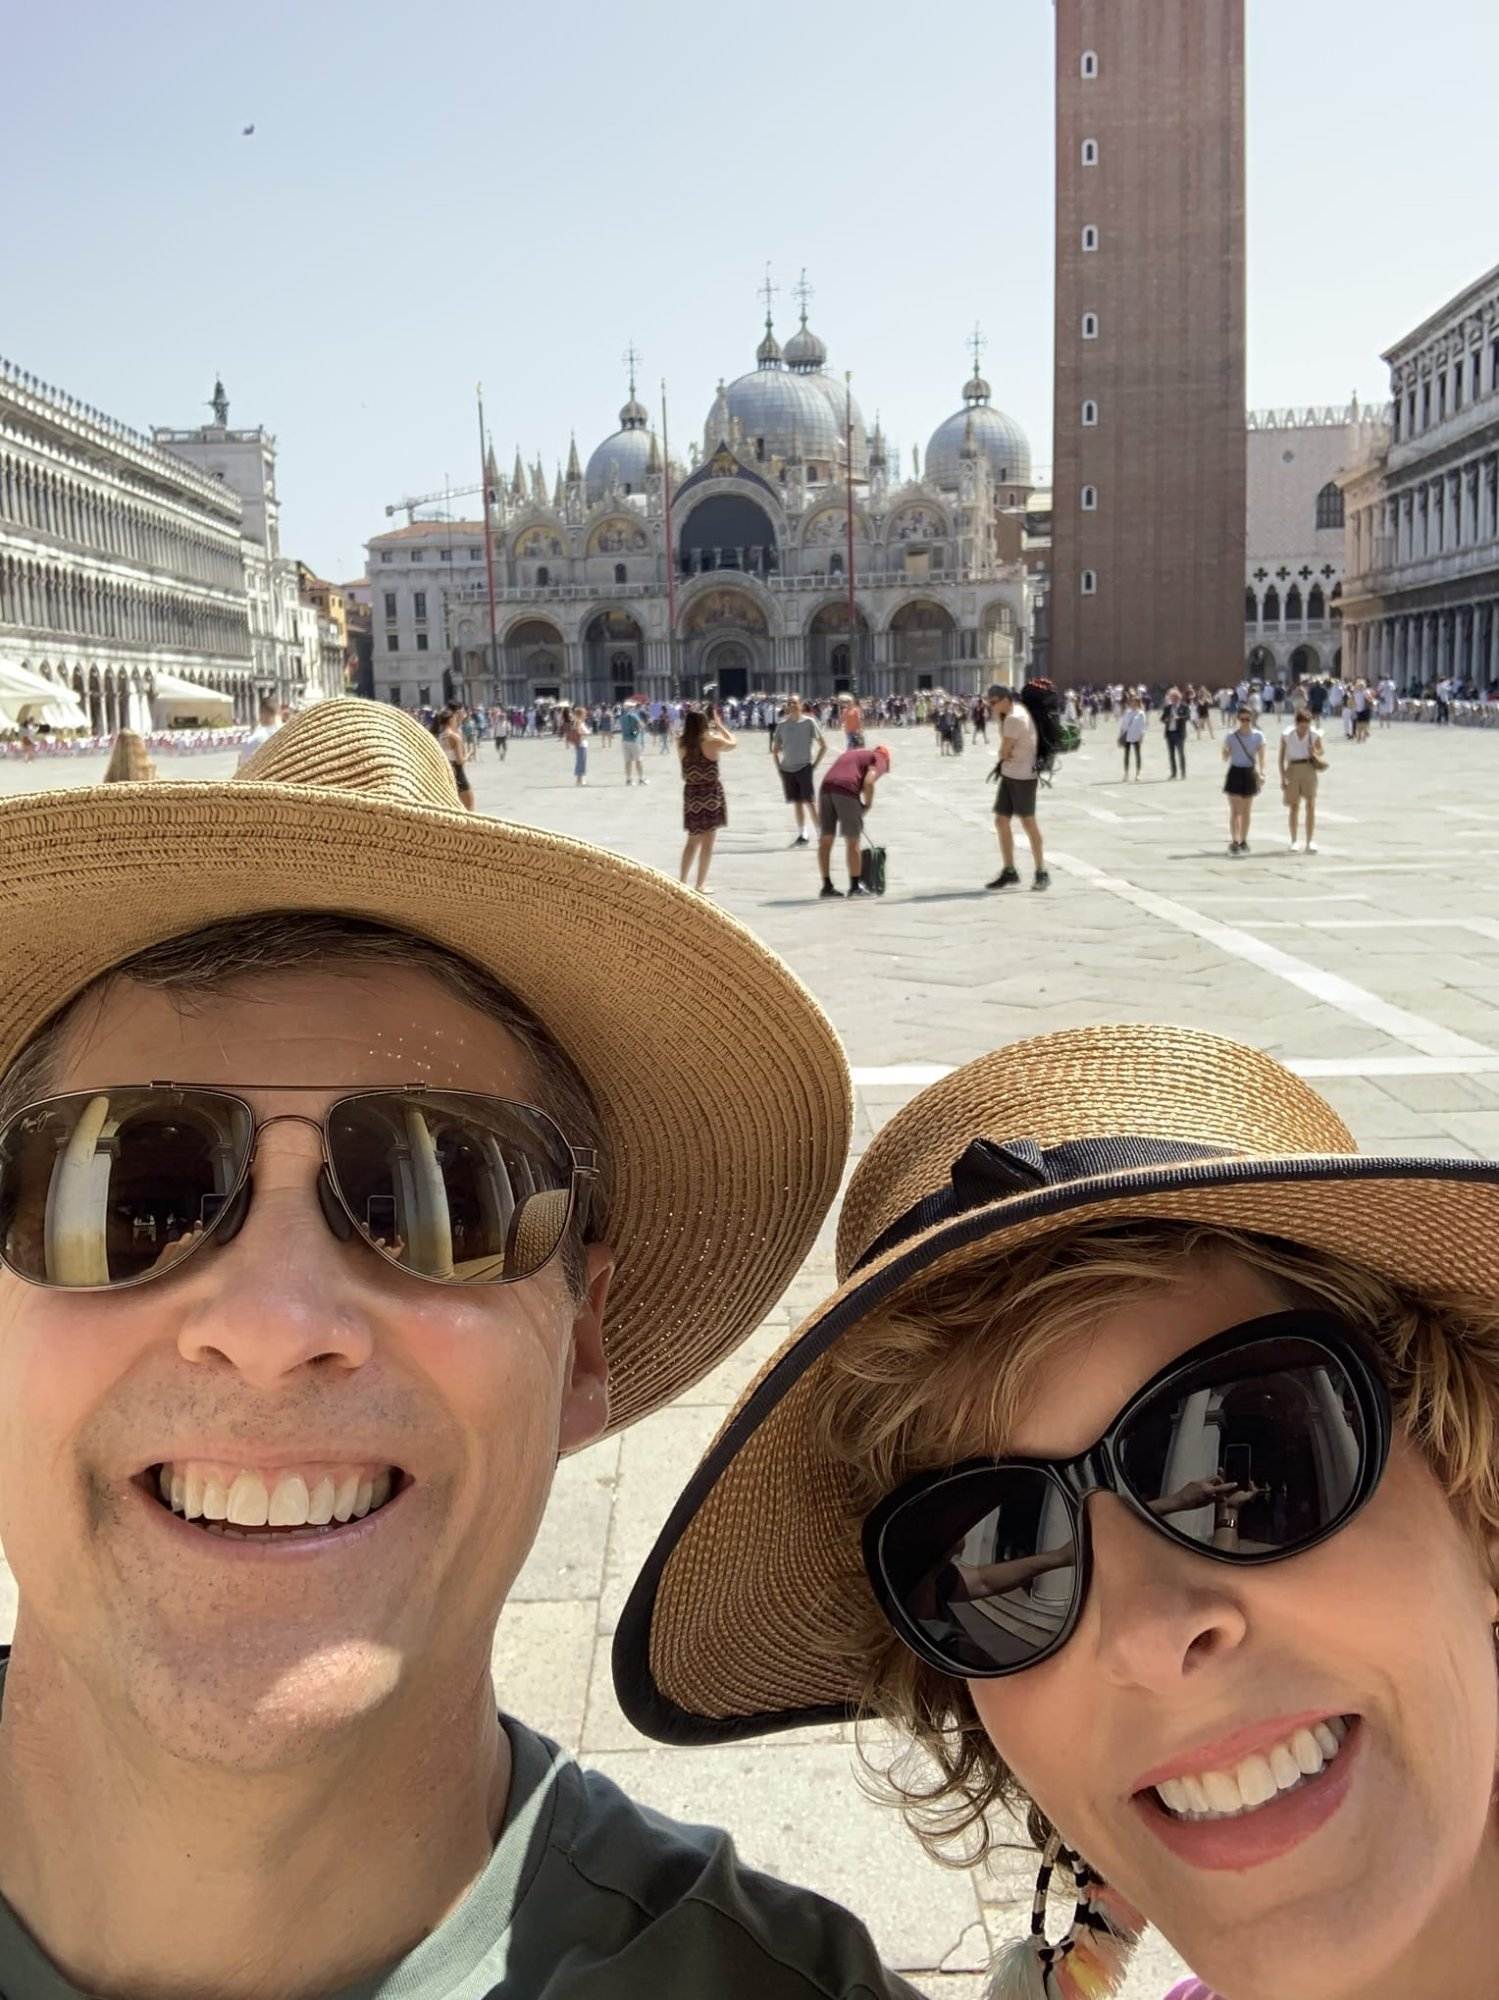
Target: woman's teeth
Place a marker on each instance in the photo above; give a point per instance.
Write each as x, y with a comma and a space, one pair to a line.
230, 1500
1259, 1779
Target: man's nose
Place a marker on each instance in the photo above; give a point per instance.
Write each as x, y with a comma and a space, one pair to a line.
283, 1293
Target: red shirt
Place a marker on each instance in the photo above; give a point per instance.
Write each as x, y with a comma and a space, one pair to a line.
847, 773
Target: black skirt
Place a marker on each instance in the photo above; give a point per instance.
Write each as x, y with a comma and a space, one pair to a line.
1241, 782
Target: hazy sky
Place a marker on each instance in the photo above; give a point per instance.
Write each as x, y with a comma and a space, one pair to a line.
479, 190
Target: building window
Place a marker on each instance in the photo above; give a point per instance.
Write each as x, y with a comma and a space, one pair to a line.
1090, 583
621, 574
543, 577
1271, 613
1316, 605
418, 555
1090, 152
1494, 365
419, 603
1090, 237
390, 604
476, 555
1410, 414
1425, 406
395, 695
1251, 607
445, 555
392, 642
387, 555
1476, 383
1089, 64
1090, 499
1090, 326
1330, 506
421, 642
1441, 395
1090, 414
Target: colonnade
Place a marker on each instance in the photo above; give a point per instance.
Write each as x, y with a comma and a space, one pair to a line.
58, 598
67, 508
1415, 649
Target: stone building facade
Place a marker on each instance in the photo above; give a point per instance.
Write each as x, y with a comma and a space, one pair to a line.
1293, 562
118, 562
749, 590
1421, 595
1149, 452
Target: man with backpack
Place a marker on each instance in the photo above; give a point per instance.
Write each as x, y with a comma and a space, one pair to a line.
1021, 753
632, 736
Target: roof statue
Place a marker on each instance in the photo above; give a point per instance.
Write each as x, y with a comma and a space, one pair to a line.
219, 404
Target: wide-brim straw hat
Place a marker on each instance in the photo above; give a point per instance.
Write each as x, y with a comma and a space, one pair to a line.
722, 1087
1094, 1125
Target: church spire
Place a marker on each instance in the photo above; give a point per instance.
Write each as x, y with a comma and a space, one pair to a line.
518, 478
574, 470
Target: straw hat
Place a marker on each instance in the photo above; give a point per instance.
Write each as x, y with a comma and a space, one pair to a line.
718, 1186
1093, 1125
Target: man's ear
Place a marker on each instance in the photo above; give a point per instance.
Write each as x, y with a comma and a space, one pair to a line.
585, 1396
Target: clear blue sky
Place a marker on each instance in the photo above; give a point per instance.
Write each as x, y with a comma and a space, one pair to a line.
438, 195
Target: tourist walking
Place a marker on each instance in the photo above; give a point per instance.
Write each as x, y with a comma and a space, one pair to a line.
632, 742
1018, 781
1132, 727
267, 722
703, 741
798, 747
130, 762
1244, 754
1386, 702
1176, 714
575, 735
499, 724
1301, 763
845, 796
447, 728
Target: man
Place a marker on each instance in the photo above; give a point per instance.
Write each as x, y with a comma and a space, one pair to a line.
267, 722
1016, 798
853, 725
798, 747
499, 719
846, 795
632, 740
284, 1381
1300, 767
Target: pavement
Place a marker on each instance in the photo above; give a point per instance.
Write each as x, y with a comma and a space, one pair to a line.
1372, 967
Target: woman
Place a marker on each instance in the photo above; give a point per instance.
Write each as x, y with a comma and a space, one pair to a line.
1244, 754
1175, 715
1141, 1473
1132, 727
575, 735
129, 762
446, 728
704, 808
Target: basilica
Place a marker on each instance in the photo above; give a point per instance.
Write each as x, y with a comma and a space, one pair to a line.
735, 572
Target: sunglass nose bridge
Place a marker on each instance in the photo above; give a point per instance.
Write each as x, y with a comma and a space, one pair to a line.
334, 1213
1092, 1473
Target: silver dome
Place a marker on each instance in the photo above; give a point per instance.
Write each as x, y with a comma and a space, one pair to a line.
839, 398
621, 460
789, 413
998, 437
804, 350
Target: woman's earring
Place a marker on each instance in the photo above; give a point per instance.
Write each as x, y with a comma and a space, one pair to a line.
1090, 1962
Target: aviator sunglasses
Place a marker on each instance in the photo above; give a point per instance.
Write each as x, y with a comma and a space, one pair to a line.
1251, 1448
106, 1188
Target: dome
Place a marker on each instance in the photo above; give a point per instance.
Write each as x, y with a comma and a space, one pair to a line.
622, 460
839, 401
998, 438
777, 415
805, 351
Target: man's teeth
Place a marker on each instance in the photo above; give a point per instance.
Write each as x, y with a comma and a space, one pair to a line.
313, 1496
1225, 1794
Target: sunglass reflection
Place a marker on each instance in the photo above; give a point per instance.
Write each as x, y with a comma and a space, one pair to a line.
109, 1188
1247, 1459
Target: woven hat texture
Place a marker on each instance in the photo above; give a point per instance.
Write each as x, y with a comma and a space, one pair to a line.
717, 1193
713, 1642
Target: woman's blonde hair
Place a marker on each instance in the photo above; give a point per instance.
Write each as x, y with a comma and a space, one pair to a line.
130, 762
944, 1376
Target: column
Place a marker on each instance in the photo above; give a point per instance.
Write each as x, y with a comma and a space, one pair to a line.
1492, 675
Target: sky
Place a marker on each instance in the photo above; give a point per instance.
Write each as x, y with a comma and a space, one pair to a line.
435, 197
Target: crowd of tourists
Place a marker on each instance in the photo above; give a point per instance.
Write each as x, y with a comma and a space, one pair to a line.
1137, 1473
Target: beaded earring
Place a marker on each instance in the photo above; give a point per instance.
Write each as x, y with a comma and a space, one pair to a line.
1091, 1961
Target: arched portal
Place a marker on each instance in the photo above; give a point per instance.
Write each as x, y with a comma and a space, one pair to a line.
833, 665
728, 531
613, 655
1305, 661
923, 640
724, 632
535, 658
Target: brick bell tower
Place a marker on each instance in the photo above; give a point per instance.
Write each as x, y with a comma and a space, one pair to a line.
1149, 420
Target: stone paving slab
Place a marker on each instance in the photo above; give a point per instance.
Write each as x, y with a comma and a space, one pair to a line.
933, 974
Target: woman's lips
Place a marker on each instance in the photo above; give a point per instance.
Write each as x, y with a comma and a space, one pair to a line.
1251, 1839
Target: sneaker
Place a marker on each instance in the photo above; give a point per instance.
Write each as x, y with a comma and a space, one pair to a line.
1233, 847
1042, 881
800, 841
1004, 879
1311, 847
1243, 846
856, 888
828, 890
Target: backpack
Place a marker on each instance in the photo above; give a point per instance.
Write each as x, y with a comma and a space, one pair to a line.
1043, 705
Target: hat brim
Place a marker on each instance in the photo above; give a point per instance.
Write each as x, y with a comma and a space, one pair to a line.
718, 1187
712, 1645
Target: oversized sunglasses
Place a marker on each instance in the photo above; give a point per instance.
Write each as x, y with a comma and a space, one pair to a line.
1255, 1446
105, 1188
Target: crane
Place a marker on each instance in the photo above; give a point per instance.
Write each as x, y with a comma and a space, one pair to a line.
415, 500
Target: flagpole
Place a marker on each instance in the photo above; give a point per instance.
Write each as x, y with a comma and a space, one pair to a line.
671, 555
848, 417
494, 638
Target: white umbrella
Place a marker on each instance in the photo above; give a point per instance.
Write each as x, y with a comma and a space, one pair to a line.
29, 697
174, 699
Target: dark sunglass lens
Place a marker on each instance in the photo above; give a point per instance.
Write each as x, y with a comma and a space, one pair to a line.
101, 1188
1257, 1452
467, 1189
984, 1566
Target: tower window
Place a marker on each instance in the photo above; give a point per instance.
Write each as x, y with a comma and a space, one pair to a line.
1090, 499
1090, 237
1330, 506
1090, 326
1090, 414
1090, 152
1090, 583
543, 577
1089, 64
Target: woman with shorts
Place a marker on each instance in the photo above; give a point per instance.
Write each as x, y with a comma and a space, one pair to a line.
447, 730
1244, 754
1140, 1475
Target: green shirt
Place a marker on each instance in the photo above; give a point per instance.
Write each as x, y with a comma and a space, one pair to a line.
590, 1897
